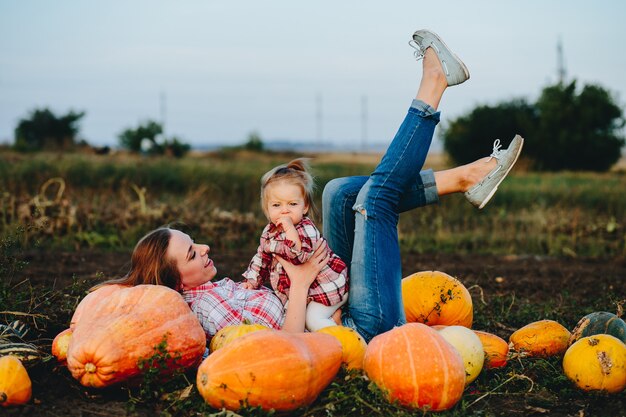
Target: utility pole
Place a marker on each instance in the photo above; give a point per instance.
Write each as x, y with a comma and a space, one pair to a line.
364, 123
560, 62
319, 119
162, 104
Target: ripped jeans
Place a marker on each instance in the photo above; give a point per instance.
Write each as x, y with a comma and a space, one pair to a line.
361, 218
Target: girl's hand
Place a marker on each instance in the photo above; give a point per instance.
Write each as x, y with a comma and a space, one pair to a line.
285, 222
247, 285
303, 275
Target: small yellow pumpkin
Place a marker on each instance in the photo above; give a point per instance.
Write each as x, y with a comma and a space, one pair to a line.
496, 349
469, 346
60, 344
229, 333
433, 297
540, 339
597, 363
15, 385
353, 345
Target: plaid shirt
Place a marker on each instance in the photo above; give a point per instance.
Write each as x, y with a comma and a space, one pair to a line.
225, 302
331, 284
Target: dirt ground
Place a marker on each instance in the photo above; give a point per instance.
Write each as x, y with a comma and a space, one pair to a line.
528, 277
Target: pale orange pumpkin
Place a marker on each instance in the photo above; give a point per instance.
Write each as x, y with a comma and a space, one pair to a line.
92, 298
414, 365
496, 349
433, 297
540, 339
597, 363
15, 385
352, 345
127, 325
469, 346
60, 344
229, 333
269, 369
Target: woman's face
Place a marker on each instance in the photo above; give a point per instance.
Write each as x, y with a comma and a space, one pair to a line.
191, 259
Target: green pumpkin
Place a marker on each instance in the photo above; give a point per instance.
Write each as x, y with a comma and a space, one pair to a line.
600, 322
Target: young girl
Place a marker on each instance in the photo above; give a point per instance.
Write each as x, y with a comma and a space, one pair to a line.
286, 199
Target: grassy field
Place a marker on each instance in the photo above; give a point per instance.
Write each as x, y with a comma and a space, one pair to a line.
550, 246
110, 201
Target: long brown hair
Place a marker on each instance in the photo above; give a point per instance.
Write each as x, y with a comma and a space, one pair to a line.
149, 263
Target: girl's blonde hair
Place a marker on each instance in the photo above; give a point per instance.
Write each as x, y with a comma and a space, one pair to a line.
295, 172
149, 263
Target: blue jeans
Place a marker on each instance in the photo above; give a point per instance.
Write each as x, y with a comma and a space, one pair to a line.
361, 218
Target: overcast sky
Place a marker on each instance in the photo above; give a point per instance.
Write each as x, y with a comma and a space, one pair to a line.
217, 70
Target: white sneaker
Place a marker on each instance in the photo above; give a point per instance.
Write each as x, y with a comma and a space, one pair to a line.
455, 70
480, 194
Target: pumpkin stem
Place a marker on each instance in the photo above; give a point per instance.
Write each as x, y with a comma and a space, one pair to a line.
620, 308
90, 368
3, 397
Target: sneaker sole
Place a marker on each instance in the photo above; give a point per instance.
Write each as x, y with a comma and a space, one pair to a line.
493, 191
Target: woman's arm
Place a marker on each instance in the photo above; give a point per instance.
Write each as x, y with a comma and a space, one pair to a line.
302, 276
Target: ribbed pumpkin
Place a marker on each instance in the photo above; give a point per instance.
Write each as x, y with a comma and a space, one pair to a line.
229, 333
600, 322
126, 325
541, 339
352, 345
15, 385
60, 344
597, 363
468, 344
414, 365
91, 299
433, 297
269, 369
495, 348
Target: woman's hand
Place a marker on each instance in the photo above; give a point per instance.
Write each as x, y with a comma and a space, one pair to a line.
303, 275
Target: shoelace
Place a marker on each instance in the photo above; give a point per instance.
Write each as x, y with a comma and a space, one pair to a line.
496, 150
418, 53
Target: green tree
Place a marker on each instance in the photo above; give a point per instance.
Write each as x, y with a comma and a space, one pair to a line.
42, 129
146, 138
146, 132
254, 143
576, 131
471, 136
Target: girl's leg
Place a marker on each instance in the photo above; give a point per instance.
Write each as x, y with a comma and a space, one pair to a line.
319, 315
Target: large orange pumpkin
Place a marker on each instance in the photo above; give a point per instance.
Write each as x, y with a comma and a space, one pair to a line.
542, 338
269, 369
352, 344
414, 365
126, 325
433, 297
597, 363
496, 349
15, 385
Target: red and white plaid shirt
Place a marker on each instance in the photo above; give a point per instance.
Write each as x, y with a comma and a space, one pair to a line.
225, 302
331, 285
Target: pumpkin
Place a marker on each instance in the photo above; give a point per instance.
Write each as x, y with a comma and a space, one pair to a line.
60, 344
414, 365
600, 322
91, 299
15, 385
270, 369
129, 325
495, 349
352, 345
468, 344
229, 333
597, 363
433, 297
540, 339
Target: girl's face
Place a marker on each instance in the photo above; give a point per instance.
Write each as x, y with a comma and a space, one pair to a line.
285, 199
191, 259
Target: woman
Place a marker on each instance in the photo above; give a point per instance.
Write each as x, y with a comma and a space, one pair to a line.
360, 223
